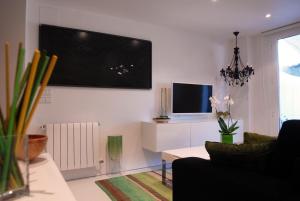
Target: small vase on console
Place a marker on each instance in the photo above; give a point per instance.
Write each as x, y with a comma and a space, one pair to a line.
163, 117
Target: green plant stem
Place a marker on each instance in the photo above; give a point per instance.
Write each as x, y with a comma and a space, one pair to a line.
2, 146
229, 116
1, 117
16, 173
2, 122
2, 139
11, 123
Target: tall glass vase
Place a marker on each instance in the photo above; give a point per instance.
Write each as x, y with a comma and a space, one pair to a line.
114, 152
14, 170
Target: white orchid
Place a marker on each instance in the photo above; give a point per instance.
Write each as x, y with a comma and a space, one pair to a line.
228, 100
214, 102
226, 128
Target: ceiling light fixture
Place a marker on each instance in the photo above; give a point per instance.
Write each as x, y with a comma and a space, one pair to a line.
268, 15
232, 75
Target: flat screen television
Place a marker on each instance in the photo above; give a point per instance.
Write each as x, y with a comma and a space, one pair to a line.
191, 98
92, 59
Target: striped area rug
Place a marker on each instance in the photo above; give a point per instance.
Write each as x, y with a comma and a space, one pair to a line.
144, 186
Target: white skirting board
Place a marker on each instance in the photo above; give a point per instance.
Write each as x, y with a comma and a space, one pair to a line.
79, 173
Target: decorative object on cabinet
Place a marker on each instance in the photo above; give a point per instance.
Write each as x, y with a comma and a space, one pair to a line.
232, 75
28, 89
163, 103
161, 120
163, 117
227, 126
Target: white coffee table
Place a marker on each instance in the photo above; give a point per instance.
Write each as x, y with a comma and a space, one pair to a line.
171, 155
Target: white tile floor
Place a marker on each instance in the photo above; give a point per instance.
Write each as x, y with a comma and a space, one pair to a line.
87, 190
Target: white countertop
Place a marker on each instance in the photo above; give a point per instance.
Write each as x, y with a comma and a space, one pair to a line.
46, 182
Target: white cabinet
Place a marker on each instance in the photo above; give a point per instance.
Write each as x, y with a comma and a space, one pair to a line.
204, 131
158, 137
164, 136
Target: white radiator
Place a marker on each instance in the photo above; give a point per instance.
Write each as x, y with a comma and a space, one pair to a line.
74, 146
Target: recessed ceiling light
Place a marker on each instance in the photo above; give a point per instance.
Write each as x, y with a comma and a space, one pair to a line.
214, 0
268, 15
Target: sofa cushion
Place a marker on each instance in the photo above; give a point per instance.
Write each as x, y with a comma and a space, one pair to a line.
251, 138
249, 156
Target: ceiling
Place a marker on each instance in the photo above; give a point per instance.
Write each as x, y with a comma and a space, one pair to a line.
217, 18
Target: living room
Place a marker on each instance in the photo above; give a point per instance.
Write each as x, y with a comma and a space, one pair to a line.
191, 42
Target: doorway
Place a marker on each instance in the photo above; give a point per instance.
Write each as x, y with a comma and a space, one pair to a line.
289, 78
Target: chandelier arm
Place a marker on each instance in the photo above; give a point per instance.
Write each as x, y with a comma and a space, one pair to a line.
231, 63
242, 64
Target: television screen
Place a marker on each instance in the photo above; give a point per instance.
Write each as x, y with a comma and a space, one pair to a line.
91, 59
191, 98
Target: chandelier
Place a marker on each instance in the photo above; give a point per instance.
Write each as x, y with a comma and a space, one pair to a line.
232, 75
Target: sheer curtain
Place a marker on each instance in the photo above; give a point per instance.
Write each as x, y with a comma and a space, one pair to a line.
264, 88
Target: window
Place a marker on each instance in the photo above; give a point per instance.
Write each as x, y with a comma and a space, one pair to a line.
289, 77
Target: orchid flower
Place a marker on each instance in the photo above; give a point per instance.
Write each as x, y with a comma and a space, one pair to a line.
228, 100
214, 102
229, 127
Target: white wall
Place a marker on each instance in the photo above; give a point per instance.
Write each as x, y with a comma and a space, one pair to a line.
177, 56
12, 23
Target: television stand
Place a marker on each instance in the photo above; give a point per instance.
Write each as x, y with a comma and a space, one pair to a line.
158, 137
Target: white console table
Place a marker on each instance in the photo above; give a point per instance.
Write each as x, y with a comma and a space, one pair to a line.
171, 155
158, 137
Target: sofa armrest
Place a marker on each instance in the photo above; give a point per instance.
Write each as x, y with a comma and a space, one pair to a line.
295, 177
294, 180
197, 179
186, 172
